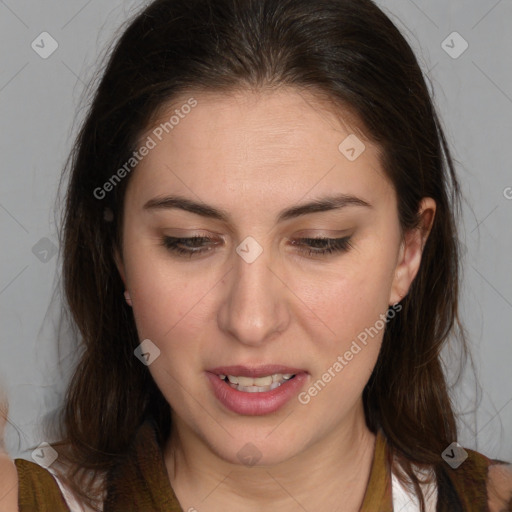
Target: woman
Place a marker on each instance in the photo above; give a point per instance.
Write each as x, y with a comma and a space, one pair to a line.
260, 255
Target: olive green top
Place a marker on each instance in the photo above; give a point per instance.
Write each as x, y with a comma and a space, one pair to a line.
141, 483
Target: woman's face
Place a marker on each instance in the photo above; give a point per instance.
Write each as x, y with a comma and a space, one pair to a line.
256, 176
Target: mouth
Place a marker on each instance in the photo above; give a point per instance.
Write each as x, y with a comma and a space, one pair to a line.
258, 384
255, 390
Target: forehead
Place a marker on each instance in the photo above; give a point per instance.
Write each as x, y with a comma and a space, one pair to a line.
278, 143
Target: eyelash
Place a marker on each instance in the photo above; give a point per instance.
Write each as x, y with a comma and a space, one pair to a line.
330, 245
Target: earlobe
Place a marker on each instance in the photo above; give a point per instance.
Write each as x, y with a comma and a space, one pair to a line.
120, 267
127, 298
411, 251
119, 264
401, 282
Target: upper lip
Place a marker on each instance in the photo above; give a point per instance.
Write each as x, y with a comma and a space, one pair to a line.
254, 371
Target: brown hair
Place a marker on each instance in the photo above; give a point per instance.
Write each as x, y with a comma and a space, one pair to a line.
347, 50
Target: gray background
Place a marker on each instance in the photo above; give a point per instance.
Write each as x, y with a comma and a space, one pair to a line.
41, 105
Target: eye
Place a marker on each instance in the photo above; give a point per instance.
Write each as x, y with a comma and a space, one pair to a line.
323, 246
196, 245
189, 246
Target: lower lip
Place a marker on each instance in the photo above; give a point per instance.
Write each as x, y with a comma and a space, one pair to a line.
255, 404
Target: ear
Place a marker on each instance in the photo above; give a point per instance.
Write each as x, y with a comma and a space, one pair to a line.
119, 264
411, 250
120, 267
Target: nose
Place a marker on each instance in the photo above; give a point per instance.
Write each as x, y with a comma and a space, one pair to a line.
255, 307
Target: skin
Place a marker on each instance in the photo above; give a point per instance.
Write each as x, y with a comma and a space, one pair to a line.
9, 479
282, 308
253, 154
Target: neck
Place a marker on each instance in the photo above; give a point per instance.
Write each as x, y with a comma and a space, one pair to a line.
332, 470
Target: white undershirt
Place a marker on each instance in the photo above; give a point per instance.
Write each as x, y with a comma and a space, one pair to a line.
73, 505
406, 501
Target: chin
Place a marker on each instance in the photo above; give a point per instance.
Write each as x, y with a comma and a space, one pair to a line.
254, 453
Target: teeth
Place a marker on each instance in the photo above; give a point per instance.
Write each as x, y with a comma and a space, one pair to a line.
259, 384
249, 381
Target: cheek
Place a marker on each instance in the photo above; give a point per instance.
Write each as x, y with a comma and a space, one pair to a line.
350, 298
353, 307
163, 305
352, 302
161, 297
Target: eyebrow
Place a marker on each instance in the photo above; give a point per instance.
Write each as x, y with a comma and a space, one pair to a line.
323, 204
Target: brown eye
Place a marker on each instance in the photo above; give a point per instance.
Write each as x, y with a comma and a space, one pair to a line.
323, 246
189, 246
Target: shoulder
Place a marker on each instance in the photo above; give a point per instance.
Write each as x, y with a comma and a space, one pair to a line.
37, 488
45, 490
8, 484
499, 487
474, 483
24, 485
9, 475
482, 482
